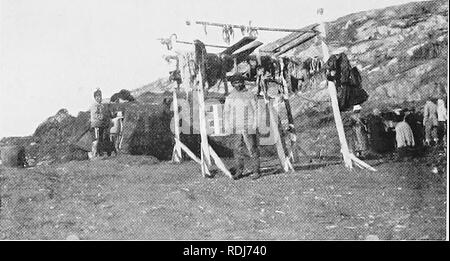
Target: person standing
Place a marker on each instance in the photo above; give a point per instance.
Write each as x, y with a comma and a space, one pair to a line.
99, 123
415, 121
115, 133
240, 120
261, 81
430, 121
359, 131
404, 137
442, 119
378, 136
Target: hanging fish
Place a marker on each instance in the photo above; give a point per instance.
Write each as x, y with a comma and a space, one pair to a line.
204, 29
231, 31
320, 11
226, 34
243, 30
253, 33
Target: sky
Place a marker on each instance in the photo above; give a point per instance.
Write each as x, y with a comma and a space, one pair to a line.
55, 53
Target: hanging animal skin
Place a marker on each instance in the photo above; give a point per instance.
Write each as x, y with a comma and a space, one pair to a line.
231, 32
253, 33
225, 34
243, 30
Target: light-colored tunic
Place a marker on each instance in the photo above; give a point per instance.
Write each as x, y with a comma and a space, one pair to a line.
404, 135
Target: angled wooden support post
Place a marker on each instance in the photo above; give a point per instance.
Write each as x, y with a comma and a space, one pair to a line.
176, 154
206, 150
287, 104
284, 161
188, 151
361, 163
204, 147
219, 163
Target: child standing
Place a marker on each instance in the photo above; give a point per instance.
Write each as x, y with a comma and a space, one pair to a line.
115, 132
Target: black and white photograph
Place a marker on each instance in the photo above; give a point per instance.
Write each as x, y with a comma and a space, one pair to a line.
223, 120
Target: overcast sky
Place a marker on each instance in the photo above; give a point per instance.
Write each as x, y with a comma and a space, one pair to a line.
54, 53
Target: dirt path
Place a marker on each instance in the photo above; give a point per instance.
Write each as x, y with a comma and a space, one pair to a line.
132, 198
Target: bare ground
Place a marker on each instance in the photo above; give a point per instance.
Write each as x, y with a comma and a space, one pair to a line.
130, 197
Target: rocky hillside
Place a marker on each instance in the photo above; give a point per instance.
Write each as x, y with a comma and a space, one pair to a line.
401, 51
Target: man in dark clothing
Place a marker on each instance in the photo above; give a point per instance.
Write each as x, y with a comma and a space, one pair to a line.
240, 123
100, 119
378, 136
414, 119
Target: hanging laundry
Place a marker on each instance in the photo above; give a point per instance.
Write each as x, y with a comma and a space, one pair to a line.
312, 65
307, 65
355, 77
347, 81
253, 32
225, 36
316, 65
243, 30
167, 42
210, 65
227, 33
231, 32
186, 66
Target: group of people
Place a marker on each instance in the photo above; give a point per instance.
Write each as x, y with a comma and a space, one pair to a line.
406, 130
106, 128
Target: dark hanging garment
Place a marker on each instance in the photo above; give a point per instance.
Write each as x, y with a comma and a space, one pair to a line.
347, 80
268, 63
307, 64
210, 65
200, 57
341, 65
357, 94
343, 93
294, 84
214, 69
355, 77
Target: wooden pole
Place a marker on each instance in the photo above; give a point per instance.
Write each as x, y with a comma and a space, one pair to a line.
185, 42
253, 27
334, 102
361, 163
284, 161
176, 155
207, 45
188, 151
204, 147
219, 163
